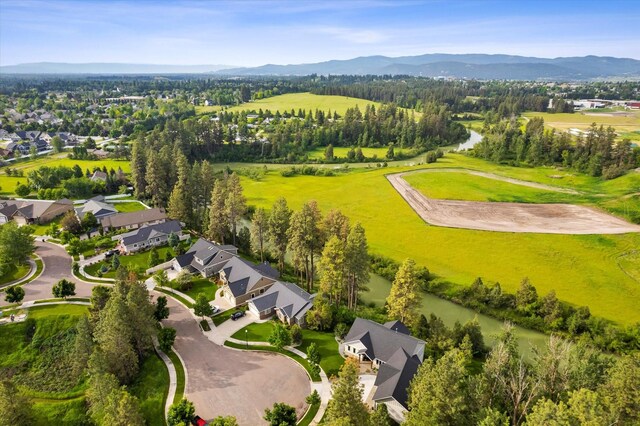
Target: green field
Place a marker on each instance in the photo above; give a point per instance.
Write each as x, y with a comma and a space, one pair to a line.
8, 183
464, 186
133, 206
626, 123
341, 152
582, 269
296, 101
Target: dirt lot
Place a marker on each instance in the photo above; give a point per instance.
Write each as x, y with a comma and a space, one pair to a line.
510, 217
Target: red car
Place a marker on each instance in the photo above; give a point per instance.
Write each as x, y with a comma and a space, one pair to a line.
199, 421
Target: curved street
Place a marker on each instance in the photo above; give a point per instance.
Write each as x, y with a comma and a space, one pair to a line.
220, 381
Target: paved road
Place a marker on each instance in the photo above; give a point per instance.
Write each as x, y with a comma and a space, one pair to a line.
221, 381
57, 265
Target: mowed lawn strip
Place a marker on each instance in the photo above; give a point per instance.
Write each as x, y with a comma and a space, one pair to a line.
151, 387
582, 269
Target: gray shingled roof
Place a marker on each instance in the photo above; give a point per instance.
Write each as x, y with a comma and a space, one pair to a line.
394, 377
380, 341
242, 276
210, 254
134, 218
98, 208
146, 232
292, 300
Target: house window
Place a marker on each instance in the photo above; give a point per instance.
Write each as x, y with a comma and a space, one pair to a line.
157, 240
261, 290
253, 295
135, 246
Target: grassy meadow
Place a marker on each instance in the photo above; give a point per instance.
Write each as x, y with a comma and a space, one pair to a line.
341, 152
8, 183
582, 269
305, 101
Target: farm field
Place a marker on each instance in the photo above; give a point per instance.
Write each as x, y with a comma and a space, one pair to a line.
582, 269
304, 101
626, 123
8, 183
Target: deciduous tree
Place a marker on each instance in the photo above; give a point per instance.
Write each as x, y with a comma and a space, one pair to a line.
281, 415
64, 289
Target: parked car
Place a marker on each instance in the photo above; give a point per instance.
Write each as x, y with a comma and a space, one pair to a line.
216, 309
198, 421
110, 253
237, 315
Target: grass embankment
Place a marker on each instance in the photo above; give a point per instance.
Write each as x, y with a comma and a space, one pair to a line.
330, 359
37, 353
9, 183
151, 389
296, 101
309, 415
303, 362
582, 269
15, 272
180, 376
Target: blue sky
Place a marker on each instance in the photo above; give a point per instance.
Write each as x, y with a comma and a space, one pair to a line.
249, 33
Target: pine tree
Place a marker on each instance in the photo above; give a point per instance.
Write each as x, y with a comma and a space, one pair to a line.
404, 298
235, 203
259, 231
357, 264
333, 270
157, 180
306, 239
278, 225
346, 406
181, 200
138, 167
218, 219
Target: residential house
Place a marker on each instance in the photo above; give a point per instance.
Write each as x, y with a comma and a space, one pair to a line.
243, 280
396, 354
96, 206
287, 301
98, 175
27, 212
205, 258
147, 236
133, 220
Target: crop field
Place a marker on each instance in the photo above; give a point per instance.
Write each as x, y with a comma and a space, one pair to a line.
341, 152
304, 101
582, 269
8, 183
626, 123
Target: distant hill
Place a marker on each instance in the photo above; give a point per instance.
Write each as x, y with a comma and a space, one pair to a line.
106, 68
477, 66
472, 66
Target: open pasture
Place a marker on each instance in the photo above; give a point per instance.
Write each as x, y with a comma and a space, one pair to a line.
582, 269
341, 152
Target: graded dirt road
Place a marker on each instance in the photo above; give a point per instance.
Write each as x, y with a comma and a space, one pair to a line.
510, 217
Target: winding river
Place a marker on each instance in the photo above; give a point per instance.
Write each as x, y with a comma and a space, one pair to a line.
471, 142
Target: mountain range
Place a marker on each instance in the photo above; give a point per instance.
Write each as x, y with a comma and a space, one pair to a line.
470, 66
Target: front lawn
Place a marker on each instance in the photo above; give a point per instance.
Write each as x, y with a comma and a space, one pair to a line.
138, 261
330, 359
256, 332
180, 377
201, 285
132, 206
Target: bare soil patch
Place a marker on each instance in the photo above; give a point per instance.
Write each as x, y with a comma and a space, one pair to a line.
510, 217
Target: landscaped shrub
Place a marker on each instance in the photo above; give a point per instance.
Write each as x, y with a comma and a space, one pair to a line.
341, 330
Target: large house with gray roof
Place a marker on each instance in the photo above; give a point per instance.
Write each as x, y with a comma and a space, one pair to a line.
28, 212
243, 280
96, 206
205, 258
394, 352
287, 301
133, 220
147, 237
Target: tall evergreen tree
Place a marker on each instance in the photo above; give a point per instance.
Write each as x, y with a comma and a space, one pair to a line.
357, 264
404, 298
218, 219
157, 179
181, 199
346, 406
333, 270
277, 227
235, 203
259, 232
139, 167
